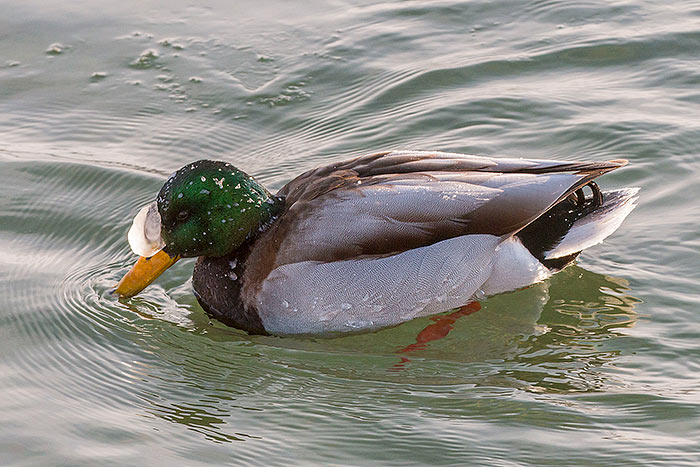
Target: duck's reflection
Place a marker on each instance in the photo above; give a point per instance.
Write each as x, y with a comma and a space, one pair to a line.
561, 335
548, 337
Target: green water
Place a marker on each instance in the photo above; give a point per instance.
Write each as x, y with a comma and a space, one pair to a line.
100, 101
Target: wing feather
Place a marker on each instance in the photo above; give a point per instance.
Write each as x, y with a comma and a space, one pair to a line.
323, 179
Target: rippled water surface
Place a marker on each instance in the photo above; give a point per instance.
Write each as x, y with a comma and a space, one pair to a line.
100, 101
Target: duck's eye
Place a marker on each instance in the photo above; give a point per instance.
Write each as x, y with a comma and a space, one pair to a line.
182, 215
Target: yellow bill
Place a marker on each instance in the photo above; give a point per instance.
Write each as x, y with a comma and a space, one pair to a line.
145, 271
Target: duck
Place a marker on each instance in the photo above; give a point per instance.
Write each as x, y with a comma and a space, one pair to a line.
373, 241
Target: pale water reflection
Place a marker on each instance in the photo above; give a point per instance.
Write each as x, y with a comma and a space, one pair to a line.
542, 339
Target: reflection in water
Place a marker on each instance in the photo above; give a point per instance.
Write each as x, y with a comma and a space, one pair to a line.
553, 337
206, 419
559, 334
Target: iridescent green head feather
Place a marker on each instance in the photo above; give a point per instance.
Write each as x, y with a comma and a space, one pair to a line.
209, 208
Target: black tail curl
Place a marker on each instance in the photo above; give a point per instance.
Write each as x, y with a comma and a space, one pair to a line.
548, 229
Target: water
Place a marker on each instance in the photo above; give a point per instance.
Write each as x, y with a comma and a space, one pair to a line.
100, 101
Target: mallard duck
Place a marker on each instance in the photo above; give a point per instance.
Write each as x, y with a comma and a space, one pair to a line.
372, 241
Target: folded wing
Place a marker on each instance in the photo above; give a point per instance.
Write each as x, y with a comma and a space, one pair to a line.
387, 203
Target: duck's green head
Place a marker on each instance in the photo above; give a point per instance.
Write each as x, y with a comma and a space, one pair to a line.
207, 208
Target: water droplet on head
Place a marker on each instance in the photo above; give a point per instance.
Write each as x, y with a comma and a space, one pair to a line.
285, 303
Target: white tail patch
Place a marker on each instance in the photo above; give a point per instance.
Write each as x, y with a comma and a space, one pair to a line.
596, 226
